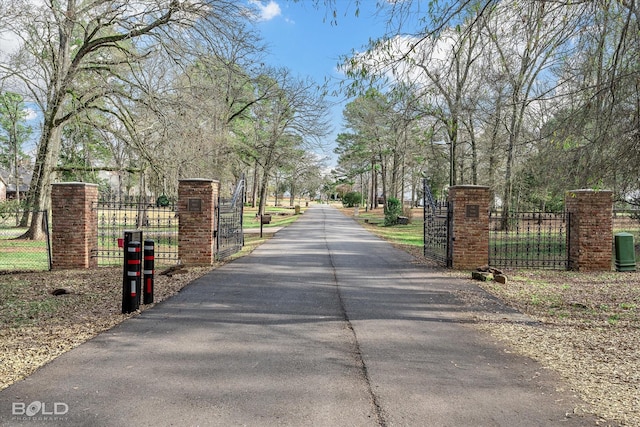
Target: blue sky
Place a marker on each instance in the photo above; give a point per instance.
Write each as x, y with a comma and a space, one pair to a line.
303, 39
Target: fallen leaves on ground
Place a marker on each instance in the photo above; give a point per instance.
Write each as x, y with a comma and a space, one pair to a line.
36, 326
586, 328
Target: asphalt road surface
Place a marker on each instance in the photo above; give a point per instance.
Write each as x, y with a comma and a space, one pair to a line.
323, 325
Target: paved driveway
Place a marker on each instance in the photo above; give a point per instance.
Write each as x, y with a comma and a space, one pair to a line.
323, 325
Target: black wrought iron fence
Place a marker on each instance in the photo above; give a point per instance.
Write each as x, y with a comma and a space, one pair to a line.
437, 228
529, 240
22, 254
229, 233
157, 223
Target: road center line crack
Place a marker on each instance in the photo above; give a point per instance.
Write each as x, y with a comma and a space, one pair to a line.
357, 352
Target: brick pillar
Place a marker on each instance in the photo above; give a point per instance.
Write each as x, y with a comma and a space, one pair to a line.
74, 225
197, 199
470, 226
590, 229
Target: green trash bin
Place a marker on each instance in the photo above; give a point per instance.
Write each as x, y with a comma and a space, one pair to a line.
625, 252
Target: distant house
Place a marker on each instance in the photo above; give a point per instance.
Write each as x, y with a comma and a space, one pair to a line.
10, 186
3, 190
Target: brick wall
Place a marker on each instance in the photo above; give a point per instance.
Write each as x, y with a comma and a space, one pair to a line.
197, 200
74, 225
470, 226
591, 229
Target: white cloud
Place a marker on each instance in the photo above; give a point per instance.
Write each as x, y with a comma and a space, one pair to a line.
267, 11
30, 114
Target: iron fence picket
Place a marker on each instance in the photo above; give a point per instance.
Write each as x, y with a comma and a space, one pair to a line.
157, 223
229, 233
529, 240
437, 228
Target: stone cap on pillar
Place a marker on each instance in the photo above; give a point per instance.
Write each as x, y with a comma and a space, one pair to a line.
469, 186
89, 184
197, 180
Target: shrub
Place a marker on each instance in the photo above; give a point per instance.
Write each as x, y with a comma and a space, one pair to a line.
392, 210
162, 201
352, 199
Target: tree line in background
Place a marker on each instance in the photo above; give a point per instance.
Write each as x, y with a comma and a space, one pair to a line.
531, 98
154, 92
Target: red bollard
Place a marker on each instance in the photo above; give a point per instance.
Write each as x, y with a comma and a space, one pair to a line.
148, 271
131, 284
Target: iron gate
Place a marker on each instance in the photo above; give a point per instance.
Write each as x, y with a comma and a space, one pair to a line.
229, 235
437, 228
529, 240
157, 222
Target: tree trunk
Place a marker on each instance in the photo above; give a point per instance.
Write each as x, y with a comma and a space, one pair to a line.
453, 140
277, 185
374, 185
516, 123
292, 195
493, 157
394, 191
254, 185
263, 191
383, 178
40, 196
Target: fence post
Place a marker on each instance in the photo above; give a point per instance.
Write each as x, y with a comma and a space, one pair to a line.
131, 283
590, 229
149, 261
74, 225
197, 199
470, 228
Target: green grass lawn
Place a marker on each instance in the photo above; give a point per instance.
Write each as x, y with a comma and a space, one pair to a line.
23, 255
410, 234
280, 216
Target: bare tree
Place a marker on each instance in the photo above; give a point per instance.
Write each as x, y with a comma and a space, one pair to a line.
447, 62
533, 42
68, 46
290, 114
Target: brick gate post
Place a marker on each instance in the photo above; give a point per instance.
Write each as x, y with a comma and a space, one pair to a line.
197, 199
74, 225
590, 229
470, 226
